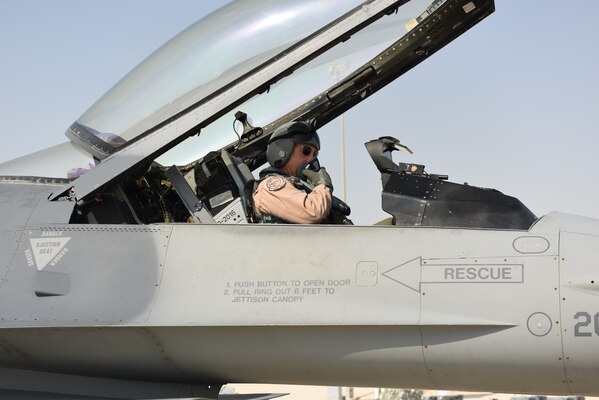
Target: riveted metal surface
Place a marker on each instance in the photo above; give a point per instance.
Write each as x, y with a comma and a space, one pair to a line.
106, 274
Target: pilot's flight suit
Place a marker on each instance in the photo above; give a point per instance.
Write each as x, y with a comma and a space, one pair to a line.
282, 198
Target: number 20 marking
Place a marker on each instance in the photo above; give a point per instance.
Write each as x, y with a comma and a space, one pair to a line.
586, 321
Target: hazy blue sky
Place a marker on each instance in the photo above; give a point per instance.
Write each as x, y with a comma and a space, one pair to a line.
512, 105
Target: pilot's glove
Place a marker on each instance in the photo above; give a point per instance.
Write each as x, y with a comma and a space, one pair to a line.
317, 177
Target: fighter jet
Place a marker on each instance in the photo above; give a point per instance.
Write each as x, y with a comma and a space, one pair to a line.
129, 275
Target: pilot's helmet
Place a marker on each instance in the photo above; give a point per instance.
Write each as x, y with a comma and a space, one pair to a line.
284, 138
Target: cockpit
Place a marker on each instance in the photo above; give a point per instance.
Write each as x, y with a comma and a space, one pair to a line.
181, 137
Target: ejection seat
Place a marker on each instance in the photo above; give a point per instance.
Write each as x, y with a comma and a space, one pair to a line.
221, 180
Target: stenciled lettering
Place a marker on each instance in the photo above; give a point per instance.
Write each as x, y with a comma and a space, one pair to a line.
478, 274
281, 291
582, 328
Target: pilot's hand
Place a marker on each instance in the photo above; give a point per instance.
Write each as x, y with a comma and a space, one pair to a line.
318, 177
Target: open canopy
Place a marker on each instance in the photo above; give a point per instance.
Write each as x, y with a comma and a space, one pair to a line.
222, 48
275, 60
200, 61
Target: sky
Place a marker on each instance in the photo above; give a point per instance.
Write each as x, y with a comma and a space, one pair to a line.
513, 104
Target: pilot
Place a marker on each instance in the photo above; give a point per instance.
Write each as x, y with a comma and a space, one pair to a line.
294, 189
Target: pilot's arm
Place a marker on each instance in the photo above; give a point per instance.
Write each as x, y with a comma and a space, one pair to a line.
277, 196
